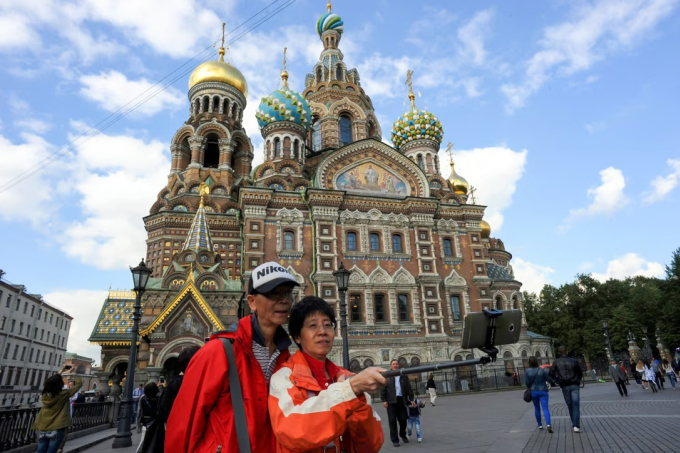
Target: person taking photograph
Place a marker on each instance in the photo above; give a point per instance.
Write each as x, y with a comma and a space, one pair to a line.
55, 416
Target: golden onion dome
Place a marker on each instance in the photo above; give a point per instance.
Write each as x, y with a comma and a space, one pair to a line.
486, 229
458, 184
219, 71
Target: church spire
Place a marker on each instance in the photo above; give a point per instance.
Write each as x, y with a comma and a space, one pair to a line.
199, 233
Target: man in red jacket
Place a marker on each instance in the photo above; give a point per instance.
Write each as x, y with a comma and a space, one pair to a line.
202, 418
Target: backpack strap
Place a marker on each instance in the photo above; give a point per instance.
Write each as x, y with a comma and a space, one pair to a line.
240, 421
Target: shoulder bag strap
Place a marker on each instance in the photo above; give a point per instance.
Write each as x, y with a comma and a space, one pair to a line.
240, 421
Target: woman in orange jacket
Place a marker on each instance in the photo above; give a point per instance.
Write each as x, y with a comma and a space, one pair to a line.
314, 405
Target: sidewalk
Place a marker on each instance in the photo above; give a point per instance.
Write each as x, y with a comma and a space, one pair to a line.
100, 442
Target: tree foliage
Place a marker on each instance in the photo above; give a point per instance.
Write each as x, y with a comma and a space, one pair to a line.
572, 313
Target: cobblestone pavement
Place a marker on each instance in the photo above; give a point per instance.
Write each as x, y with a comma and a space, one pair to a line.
503, 422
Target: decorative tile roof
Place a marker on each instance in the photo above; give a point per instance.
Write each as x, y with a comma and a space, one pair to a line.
536, 336
496, 272
330, 21
416, 124
199, 234
284, 104
114, 324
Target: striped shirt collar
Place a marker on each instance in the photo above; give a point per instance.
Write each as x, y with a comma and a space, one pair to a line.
281, 338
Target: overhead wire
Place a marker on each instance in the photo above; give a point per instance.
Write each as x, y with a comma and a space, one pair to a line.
95, 130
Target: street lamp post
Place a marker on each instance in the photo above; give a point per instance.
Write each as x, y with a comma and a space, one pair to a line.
605, 326
646, 349
123, 438
342, 280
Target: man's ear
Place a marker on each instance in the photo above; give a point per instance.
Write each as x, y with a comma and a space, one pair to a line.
251, 302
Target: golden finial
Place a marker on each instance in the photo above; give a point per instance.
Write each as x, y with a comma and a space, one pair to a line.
190, 277
472, 192
328, 6
203, 190
221, 52
409, 82
284, 73
449, 149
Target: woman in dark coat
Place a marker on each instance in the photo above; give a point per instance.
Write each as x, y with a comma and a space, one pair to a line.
148, 422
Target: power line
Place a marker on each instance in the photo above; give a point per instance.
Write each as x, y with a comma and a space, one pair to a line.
94, 131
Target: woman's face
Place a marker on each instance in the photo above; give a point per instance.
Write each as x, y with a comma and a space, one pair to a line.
316, 336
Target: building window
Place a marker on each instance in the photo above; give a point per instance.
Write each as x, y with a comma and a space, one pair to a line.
448, 249
2, 323
25, 307
288, 240
499, 303
379, 307
14, 323
478, 253
475, 238
420, 162
455, 308
32, 310
480, 269
396, 244
345, 130
253, 227
316, 135
403, 307
325, 230
277, 147
356, 309
16, 351
482, 292
375, 242
21, 328
351, 241
23, 353
7, 348
434, 327
255, 245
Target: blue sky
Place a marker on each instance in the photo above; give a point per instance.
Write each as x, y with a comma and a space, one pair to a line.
563, 114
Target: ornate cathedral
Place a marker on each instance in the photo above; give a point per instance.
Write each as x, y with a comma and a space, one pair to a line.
329, 192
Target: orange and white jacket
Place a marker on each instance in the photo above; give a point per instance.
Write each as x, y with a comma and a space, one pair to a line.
306, 418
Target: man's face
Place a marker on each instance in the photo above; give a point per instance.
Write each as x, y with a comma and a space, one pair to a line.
394, 365
273, 307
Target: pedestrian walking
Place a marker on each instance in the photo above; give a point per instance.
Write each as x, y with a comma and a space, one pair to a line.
414, 411
619, 378
55, 416
202, 419
537, 380
640, 369
148, 422
314, 405
395, 396
593, 374
650, 375
656, 366
432, 388
567, 373
136, 395
167, 399
625, 372
670, 372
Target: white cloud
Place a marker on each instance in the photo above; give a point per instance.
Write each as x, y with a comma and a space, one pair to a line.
533, 276
607, 198
473, 34
112, 90
662, 185
15, 32
84, 305
119, 178
595, 31
630, 265
494, 171
383, 76
33, 125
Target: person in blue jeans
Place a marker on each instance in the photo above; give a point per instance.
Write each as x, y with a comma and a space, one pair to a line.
536, 379
414, 417
567, 373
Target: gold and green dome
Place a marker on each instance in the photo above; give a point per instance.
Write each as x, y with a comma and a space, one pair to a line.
219, 71
416, 124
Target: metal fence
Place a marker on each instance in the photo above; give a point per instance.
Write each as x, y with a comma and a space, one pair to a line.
16, 425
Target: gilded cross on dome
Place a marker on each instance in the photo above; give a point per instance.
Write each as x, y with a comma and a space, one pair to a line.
284, 72
472, 191
449, 149
409, 82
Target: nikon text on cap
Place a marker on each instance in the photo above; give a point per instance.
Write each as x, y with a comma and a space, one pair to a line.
268, 276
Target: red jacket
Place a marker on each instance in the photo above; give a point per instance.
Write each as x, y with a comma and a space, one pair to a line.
202, 417
306, 418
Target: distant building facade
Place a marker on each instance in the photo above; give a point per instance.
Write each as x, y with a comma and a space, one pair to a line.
33, 340
329, 191
80, 367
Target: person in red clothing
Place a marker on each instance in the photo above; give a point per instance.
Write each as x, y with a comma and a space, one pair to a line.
202, 417
314, 405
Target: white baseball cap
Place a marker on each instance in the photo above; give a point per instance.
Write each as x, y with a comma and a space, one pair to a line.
268, 276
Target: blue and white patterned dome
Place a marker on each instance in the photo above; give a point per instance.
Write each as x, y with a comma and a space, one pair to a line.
416, 124
329, 21
284, 104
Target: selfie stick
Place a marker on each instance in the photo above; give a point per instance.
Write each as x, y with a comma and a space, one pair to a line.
489, 348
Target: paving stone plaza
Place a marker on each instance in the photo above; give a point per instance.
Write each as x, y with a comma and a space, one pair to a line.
502, 422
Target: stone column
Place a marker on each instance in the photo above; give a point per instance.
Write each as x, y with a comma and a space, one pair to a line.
226, 148
176, 153
196, 145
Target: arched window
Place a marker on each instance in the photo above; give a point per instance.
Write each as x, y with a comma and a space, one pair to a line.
354, 366
225, 106
515, 303
338, 72
197, 106
345, 130
499, 303
420, 162
402, 362
448, 249
211, 158
295, 150
216, 104
356, 308
319, 75
396, 244
277, 147
368, 363
455, 308
206, 101
538, 354
351, 241
288, 240
403, 307
316, 135
375, 242
415, 361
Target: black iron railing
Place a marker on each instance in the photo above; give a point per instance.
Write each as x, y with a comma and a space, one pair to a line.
16, 425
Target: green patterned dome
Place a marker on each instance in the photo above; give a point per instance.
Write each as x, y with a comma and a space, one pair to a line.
416, 124
284, 104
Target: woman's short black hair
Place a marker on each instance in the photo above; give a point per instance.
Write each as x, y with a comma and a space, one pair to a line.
53, 385
151, 390
185, 357
533, 362
304, 308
